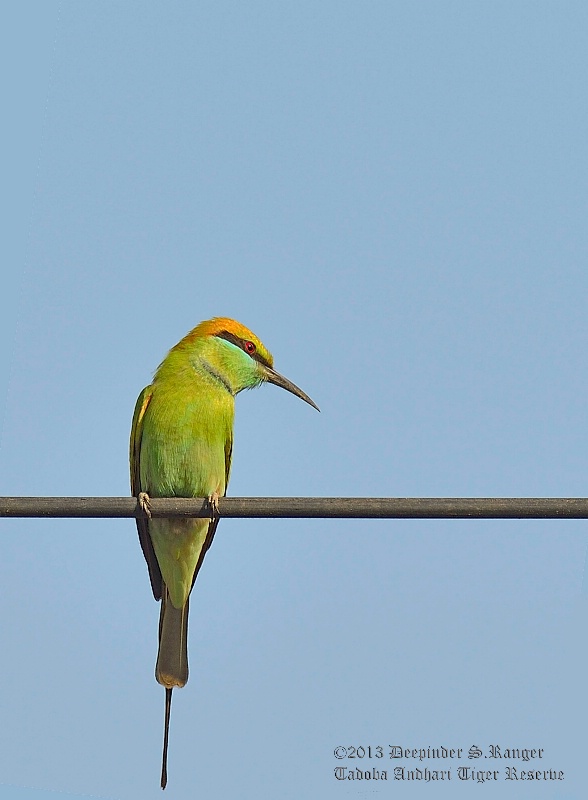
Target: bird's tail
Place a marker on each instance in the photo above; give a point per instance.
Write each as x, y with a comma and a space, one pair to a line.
168, 697
172, 659
171, 669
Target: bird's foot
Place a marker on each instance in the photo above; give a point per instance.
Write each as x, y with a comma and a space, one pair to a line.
213, 503
145, 503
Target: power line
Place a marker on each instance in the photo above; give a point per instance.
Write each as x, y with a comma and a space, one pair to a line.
305, 507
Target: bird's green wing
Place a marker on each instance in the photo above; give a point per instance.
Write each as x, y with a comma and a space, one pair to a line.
228, 456
135, 463
136, 436
214, 523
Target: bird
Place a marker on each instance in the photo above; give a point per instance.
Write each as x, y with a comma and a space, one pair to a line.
181, 445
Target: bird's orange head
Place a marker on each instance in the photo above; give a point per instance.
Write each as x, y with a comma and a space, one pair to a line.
235, 332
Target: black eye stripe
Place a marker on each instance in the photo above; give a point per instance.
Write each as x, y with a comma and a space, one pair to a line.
231, 337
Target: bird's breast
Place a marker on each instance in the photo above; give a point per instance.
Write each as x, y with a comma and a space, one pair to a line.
184, 446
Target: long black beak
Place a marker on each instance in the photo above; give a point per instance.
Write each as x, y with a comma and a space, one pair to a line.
274, 377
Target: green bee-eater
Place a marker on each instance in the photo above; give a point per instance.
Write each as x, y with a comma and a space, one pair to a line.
181, 445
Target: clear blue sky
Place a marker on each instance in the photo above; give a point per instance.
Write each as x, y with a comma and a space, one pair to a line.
393, 196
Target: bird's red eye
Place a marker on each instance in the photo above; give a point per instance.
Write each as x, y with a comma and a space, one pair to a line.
250, 348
